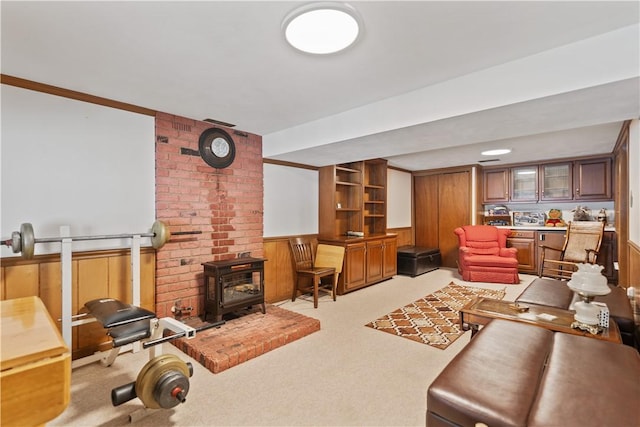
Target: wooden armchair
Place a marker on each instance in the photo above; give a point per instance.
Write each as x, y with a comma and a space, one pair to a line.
308, 275
581, 245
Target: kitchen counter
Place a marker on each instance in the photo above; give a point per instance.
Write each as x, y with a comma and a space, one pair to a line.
543, 228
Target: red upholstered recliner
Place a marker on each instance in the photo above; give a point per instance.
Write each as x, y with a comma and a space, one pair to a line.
483, 255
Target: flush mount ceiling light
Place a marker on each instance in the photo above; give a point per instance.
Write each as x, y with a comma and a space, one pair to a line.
322, 28
496, 152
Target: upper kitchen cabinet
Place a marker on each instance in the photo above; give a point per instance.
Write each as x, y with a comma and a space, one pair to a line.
592, 179
524, 184
495, 185
578, 179
556, 181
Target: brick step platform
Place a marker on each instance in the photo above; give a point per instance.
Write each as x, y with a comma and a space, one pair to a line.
245, 336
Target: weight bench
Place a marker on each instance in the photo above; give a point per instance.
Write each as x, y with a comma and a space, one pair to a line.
164, 381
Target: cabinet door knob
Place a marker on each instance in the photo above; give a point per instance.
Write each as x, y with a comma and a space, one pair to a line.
577, 191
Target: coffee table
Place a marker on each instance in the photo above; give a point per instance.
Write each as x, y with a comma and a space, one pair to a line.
481, 310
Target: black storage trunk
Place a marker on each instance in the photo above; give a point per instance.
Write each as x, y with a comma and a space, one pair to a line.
415, 260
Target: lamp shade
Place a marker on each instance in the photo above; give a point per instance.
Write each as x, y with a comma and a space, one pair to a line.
589, 281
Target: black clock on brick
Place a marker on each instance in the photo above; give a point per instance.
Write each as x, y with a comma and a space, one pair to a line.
217, 148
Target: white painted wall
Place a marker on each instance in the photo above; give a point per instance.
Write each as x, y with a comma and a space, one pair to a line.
634, 181
290, 201
66, 162
398, 199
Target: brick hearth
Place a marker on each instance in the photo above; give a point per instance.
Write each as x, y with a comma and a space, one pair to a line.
245, 337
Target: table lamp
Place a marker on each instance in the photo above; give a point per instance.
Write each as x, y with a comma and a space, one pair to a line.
588, 282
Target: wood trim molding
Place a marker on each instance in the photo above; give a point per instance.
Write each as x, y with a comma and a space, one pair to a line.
72, 94
622, 136
454, 169
286, 238
290, 164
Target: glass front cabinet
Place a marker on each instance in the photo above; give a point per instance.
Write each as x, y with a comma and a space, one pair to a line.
556, 181
524, 184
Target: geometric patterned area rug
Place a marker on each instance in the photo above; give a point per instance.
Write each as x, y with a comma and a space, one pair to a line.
434, 319
245, 337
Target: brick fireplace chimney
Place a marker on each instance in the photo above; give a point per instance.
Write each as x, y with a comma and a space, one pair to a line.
225, 204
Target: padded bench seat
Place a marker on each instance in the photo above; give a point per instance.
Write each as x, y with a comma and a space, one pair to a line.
556, 293
126, 323
514, 374
416, 260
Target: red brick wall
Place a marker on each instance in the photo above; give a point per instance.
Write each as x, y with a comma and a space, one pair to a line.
225, 204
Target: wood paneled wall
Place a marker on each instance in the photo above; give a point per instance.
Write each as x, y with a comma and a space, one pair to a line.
405, 235
278, 270
621, 203
97, 274
442, 201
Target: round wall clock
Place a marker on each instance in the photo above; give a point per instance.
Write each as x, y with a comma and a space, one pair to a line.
217, 148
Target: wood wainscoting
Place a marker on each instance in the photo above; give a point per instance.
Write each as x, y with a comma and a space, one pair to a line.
634, 268
278, 269
97, 274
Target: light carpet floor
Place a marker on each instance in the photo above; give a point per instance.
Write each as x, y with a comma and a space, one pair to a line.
344, 375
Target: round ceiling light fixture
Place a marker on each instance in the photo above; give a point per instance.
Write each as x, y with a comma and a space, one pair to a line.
496, 152
322, 28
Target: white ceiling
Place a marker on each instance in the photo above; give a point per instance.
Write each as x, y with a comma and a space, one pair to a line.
429, 84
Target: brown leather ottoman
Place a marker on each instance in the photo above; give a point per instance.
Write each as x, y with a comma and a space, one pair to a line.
556, 293
514, 374
606, 375
493, 380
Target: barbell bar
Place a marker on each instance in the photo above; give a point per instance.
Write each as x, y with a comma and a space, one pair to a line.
24, 241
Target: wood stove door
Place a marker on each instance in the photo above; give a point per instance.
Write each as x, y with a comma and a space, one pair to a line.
240, 287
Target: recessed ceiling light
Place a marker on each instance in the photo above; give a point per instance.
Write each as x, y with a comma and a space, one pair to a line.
322, 28
496, 152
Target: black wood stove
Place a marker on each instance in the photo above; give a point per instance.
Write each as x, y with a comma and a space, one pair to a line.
232, 285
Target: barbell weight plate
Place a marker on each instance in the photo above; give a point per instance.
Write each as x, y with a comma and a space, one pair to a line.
16, 244
161, 234
151, 374
171, 389
27, 240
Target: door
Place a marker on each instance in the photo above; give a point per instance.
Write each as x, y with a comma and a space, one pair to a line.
553, 239
556, 181
524, 184
426, 210
375, 257
442, 203
454, 205
390, 267
525, 243
592, 179
354, 273
495, 186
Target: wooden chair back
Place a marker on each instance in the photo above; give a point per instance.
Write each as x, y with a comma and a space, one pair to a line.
581, 245
583, 241
303, 250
